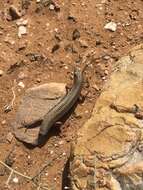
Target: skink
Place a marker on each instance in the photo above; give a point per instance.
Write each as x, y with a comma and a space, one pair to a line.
64, 105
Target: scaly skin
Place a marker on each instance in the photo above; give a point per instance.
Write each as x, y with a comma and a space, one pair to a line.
64, 105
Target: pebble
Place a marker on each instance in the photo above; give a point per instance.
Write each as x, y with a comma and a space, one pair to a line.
21, 75
38, 1
66, 187
103, 78
51, 152
3, 122
29, 157
22, 30
66, 67
106, 72
61, 142
9, 137
15, 180
9, 40
83, 43
76, 34
64, 153
106, 57
14, 13
22, 22
1, 72
56, 145
21, 84
38, 80
51, 7
112, 26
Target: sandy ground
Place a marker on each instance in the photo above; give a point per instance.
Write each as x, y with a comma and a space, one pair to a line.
60, 34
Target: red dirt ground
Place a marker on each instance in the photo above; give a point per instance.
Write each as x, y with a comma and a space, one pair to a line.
61, 37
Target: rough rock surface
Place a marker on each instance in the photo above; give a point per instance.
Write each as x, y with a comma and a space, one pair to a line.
108, 153
35, 104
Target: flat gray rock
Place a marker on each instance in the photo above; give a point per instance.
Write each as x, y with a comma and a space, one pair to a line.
36, 102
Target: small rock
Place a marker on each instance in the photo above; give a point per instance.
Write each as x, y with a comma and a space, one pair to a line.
15, 180
38, 80
76, 34
9, 40
21, 84
7, 108
38, 1
9, 137
22, 22
35, 57
51, 152
98, 42
106, 72
104, 78
28, 156
3, 122
66, 187
112, 26
22, 30
86, 111
22, 46
83, 43
1, 73
51, 7
106, 57
46, 174
95, 87
56, 145
64, 154
21, 75
61, 142
14, 13
66, 67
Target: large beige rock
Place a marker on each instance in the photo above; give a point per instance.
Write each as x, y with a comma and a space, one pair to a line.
108, 151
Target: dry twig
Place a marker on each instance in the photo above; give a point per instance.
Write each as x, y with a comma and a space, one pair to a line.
12, 171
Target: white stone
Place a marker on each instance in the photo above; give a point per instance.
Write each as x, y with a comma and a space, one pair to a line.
15, 180
3, 122
1, 72
51, 7
112, 26
66, 187
64, 153
51, 152
21, 84
22, 22
22, 30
